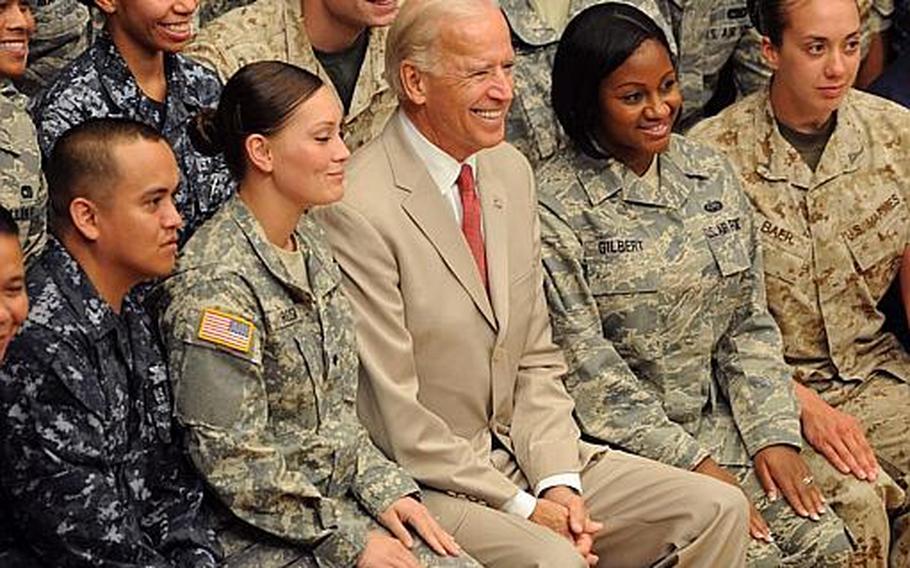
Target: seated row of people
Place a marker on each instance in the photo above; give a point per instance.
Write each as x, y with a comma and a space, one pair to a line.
653, 274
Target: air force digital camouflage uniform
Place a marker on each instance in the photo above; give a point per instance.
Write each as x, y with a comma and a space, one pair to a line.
833, 242
274, 29
531, 125
22, 187
89, 461
99, 84
656, 295
270, 408
62, 32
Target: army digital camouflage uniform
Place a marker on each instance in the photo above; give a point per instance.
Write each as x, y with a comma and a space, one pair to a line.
833, 242
22, 187
62, 32
531, 125
656, 296
99, 84
274, 29
211, 9
89, 460
270, 412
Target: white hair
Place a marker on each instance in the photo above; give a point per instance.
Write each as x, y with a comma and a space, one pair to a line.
415, 33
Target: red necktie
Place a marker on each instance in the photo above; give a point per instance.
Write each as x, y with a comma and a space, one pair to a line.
470, 220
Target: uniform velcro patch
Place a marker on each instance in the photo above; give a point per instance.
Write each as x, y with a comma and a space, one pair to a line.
227, 330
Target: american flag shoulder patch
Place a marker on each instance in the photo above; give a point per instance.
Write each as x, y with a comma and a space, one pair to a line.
227, 330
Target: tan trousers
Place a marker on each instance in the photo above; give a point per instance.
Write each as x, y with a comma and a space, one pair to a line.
653, 515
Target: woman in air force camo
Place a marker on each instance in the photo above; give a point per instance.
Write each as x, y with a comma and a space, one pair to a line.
262, 344
655, 287
825, 168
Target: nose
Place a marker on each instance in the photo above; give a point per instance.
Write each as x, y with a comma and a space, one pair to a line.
171, 218
501, 87
20, 17
836, 64
186, 6
657, 108
341, 152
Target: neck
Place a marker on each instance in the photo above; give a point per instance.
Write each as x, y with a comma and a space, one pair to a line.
276, 215
325, 32
112, 285
147, 66
418, 118
788, 110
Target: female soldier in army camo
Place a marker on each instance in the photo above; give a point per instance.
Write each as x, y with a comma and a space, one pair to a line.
262, 341
22, 187
826, 170
655, 288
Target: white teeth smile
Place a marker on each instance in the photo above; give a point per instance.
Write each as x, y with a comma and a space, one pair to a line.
14, 45
181, 28
658, 130
489, 114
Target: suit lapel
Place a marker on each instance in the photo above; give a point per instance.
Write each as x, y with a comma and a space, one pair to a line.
493, 203
426, 206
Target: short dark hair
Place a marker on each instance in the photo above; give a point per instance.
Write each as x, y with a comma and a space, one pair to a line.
8, 225
595, 43
257, 99
82, 163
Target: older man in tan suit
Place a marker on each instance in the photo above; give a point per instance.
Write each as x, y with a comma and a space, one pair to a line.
461, 384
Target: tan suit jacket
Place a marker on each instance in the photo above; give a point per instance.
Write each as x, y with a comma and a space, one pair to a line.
449, 374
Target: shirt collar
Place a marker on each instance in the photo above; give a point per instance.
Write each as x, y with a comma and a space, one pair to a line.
443, 168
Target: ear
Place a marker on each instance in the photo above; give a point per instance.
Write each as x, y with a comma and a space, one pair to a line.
259, 153
84, 215
413, 81
769, 52
107, 6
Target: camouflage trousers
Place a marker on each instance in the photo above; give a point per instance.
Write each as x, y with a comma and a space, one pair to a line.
882, 404
62, 33
248, 547
798, 542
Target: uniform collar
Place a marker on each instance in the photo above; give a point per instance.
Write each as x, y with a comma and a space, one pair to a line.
121, 86
322, 272
778, 160
94, 315
601, 179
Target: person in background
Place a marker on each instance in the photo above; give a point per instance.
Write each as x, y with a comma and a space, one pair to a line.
262, 347
656, 291
22, 188
89, 460
341, 41
825, 168
13, 311
437, 238
63, 33
134, 70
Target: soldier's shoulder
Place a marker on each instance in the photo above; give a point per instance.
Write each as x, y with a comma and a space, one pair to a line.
246, 23
724, 128
698, 156
878, 112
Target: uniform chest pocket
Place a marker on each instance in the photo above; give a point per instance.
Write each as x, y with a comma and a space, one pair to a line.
729, 253
785, 253
621, 265
871, 242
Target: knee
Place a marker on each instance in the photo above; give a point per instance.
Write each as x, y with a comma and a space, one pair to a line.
553, 557
724, 503
763, 555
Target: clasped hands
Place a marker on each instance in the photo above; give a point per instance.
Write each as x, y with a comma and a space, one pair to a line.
563, 511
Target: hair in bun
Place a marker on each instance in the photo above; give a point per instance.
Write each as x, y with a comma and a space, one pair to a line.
204, 135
